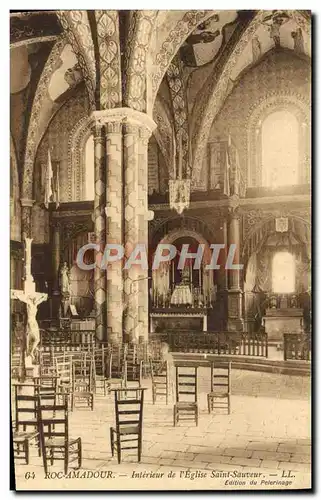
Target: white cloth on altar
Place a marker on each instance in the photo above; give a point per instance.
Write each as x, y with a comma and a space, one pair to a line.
182, 295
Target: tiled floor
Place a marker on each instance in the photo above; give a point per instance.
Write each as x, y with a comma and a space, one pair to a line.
264, 441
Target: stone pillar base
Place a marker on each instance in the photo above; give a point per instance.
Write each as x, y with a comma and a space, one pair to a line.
32, 371
235, 322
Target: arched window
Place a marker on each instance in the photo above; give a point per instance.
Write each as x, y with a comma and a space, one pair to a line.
280, 149
283, 273
89, 180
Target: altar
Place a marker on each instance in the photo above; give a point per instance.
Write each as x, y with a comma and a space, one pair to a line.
167, 319
282, 316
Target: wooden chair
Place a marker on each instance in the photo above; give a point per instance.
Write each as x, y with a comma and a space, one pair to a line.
102, 369
127, 435
82, 385
64, 373
160, 386
15, 364
117, 360
220, 395
131, 371
55, 441
186, 407
25, 424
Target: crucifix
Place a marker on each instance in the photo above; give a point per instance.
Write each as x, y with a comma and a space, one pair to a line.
32, 299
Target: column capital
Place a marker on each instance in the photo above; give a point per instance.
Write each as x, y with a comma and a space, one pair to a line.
97, 131
233, 211
125, 116
25, 202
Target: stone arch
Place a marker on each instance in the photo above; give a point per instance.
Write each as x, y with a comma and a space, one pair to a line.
76, 158
78, 31
140, 32
15, 207
258, 234
175, 234
216, 90
160, 57
163, 133
34, 132
275, 101
183, 224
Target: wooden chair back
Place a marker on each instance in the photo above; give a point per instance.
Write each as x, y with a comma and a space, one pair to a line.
53, 420
64, 371
221, 377
83, 373
46, 384
25, 410
129, 410
131, 370
102, 362
186, 384
160, 379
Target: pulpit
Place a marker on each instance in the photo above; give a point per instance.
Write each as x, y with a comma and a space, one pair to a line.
282, 316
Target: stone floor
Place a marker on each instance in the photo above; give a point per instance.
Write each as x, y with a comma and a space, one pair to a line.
263, 444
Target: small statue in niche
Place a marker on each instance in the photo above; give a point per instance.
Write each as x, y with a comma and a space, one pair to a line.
65, 279
294, 302
256, 48
64, 290
298, 41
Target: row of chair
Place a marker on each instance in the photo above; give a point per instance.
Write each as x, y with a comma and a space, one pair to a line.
51, 394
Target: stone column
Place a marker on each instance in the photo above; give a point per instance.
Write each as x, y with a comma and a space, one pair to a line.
127, 133
100, 231
114, 233
137, 130
55, 249
235, 309
26, 217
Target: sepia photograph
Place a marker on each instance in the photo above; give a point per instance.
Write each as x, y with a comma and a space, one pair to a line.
160, 250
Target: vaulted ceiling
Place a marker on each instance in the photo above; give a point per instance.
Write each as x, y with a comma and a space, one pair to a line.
177, 66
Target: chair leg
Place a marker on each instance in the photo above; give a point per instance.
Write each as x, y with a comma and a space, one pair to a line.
118, 449
175, 415
26, 447
112, 441
196, 416
44, 459
209, 403
79, 454
51, 456
66, 460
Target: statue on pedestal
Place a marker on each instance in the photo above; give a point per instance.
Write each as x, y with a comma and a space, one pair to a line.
65, 288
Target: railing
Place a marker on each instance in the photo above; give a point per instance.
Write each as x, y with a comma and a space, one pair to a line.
236, 343
66, 337
297, 347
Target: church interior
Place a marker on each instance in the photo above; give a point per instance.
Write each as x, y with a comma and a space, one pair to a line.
146, 127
